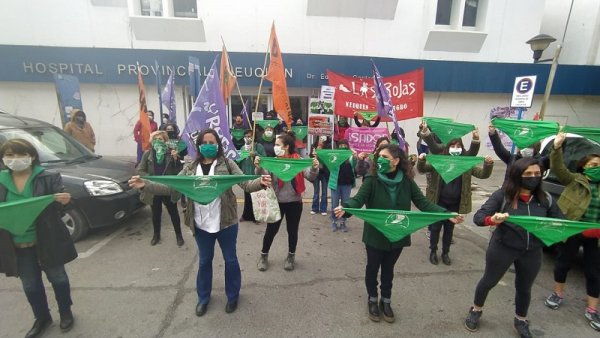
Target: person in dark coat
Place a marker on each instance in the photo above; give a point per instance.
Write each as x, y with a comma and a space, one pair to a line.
46, 245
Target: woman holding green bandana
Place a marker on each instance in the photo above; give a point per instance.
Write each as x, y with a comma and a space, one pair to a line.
579, 201
389, 186
156, 162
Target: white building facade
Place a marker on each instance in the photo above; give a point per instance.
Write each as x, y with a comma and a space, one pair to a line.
471, 51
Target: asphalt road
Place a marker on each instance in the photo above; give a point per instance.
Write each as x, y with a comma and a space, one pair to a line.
123, 287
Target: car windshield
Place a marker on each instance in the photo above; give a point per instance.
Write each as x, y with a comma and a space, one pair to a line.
52, 144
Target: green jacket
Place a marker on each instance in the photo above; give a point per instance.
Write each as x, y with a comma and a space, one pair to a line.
373, 195
576, 197
434, 184
228, 200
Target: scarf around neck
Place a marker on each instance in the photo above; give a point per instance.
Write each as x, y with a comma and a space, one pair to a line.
391, 184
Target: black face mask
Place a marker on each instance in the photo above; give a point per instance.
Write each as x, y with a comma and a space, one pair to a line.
531, 183
172, 134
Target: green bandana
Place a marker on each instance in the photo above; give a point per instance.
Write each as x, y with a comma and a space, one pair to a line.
333, 158
368, 115
450, 167
285, 168
160, 149
447, 129
267, 123
300, 132
178, 145
397, 224
526, 132
18, 216
201, 189
238, 134
551, 230
391, 184
243, 155
593, 173
590, 133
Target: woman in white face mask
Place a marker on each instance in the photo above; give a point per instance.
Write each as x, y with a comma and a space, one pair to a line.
46, 245
268, 141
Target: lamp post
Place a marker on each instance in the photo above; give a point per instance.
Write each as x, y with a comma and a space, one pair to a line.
538, 44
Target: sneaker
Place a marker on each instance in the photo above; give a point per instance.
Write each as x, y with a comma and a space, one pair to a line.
472, 321
313, 212
428, 234
343, 227
553, 301
594, 319
289, 262
324, 213
334, 226
522, 328
263, 262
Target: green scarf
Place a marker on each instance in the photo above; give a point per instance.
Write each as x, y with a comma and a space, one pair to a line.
300, 132
447, 129
526, 132
333, 158
397, 224
160, 149
243, 155
368, 115
19, 215
591, 133
267, 123
450, 167
551, 230
391, 184
238, 134
285, 168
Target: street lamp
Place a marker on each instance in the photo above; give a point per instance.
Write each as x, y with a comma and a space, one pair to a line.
538, 44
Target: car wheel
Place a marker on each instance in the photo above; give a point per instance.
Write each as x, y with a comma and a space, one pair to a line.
75, 223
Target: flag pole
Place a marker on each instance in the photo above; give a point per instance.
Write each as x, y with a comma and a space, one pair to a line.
262, 78
236, 84
158, 85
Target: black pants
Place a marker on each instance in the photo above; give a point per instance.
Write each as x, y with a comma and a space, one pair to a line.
248, 213
157, 203
591, 258
498, 259
434, 235
292, 212
386, 260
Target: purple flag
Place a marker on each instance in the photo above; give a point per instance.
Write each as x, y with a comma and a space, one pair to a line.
244, 114
384, 103
209, 112
168, 97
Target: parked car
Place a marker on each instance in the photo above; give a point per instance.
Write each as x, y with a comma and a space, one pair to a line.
98, 185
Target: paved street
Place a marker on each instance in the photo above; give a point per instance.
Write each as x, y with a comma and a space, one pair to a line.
123, 287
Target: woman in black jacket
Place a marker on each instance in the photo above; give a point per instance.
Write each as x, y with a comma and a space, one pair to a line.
522, 195
46, 245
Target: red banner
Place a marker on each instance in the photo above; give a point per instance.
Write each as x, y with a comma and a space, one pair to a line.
356, 94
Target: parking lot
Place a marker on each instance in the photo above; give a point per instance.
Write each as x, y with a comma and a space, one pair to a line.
123, 287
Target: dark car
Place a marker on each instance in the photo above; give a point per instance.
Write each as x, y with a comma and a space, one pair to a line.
98, 185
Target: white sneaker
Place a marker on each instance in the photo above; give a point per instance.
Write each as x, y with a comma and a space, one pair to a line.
313, 212
324, 213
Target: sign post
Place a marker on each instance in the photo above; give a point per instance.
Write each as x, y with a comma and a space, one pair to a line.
522, 96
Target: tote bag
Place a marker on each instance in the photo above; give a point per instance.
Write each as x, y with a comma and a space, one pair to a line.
265, 206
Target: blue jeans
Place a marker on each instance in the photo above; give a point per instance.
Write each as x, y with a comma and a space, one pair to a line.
320, 187
30, 273
342, 193
206, 248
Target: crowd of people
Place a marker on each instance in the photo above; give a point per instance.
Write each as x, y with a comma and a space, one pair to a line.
387, 183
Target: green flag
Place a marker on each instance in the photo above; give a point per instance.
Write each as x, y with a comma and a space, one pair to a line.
267, 123
526, 132
450, 167
368, 115
551, 230
18, 216
285, 168
333, 158
243, 155
202, 189
397, 224
238, 134
446, 129
590, 133
300, 132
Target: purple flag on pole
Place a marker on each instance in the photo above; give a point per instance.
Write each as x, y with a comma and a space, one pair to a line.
244, 115
168, 97
384, 103
209, 112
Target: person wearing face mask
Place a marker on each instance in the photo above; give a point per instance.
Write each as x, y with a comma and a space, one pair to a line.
364, 161
176, 148
390, 186
289, 196
46, 245
454, 196
163, 121
341, 183
247, 166
268, 141
137, 134
238, 124
339, 132
216, 221
436, 147
510, 244
319, 202
579, 201
155, 162
81, 130
508, 158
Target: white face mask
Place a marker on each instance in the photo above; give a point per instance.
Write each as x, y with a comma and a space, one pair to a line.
323, 139
455, 151
17, 164
247, 140
269, 133
527, 152
279, 151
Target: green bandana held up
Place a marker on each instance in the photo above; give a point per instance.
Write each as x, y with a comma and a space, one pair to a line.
590, 133
551, 230
593, 173
285, 168
201, 189
526, 132
178, 145
397, 224
447, 129
267, 123
300, 132
18, 216
368, 115
160, 149
450, 167
333, 158
237, 134
243, 155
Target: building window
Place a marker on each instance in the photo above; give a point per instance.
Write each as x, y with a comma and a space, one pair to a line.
470, 13
444, 10
185, 8
151, 7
